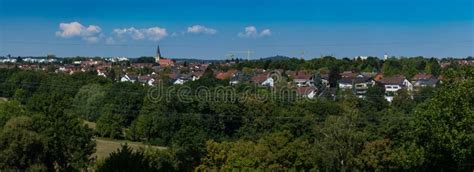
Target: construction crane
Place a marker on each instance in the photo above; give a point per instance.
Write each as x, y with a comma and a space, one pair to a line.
232, 54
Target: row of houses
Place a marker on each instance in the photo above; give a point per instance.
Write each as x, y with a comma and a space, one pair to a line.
391, 84
358, 83
307, 83
303, 81
194, 72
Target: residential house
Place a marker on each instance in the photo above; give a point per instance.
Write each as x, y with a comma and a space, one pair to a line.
346, 83
394, 83
128, 78
176, 78
146, 80
424, 80
362, 84
225, 75
197, 75
325, 80
237, 78
348, 74
101, 72
263, 79
307, 92
180, 79
89, 62
301, 78
269, 82
378, 77
358, 84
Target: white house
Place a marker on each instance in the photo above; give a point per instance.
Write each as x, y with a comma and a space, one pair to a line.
346, 83
101, 73
263, 79
307, 92
301, 79
268, 82
127, 78
393, 84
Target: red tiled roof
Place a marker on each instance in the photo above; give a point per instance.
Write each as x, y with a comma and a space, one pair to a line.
348, 74
305, 90
378, 77
397, 79
422, 76
299, 74
225, 75
259, 78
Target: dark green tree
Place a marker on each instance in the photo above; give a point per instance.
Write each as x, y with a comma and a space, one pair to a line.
188, 147
375, 98
89, 101
403, 101
125, 99
125, 160
334, 76
21, 148
110, 124
443, 126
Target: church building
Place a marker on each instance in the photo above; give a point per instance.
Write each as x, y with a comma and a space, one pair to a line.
164, 62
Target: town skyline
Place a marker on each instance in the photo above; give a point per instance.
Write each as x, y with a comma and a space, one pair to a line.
243, 55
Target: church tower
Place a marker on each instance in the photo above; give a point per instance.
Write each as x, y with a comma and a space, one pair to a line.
158, 54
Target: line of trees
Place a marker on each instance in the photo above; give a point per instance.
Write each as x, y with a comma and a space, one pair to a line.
392, 66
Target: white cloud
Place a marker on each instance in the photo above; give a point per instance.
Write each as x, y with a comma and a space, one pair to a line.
266, 32
197, 29
132, 32
252, 32
76, 29
153, 33
156, 33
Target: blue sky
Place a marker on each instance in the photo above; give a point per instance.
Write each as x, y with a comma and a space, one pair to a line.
211, 28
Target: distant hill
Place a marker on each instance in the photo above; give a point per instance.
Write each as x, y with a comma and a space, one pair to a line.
276, 58
190, 60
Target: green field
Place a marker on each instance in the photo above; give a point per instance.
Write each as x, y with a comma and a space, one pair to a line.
91, 125
106, 146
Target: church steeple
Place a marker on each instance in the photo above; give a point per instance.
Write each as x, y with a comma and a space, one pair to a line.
158, 54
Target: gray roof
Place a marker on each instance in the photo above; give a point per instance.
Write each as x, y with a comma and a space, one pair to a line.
429, 82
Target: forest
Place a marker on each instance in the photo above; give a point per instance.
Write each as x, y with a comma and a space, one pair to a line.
44, 122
